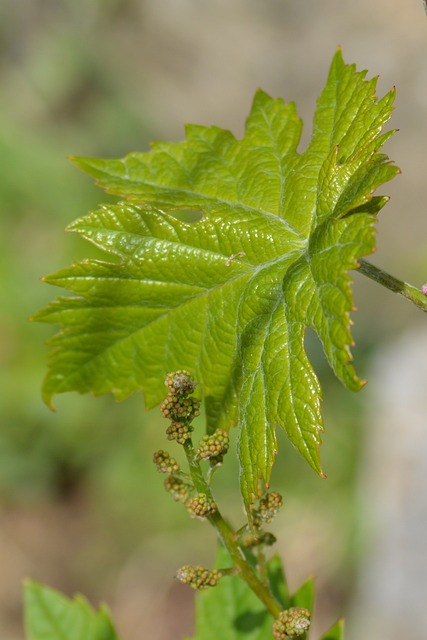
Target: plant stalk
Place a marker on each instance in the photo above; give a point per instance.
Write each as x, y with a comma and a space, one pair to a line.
409, 292
228, 538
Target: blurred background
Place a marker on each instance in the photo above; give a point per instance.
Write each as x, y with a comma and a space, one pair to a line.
81, 505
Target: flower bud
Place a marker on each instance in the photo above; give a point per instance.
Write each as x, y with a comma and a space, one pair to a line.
165, 463
201, 506
198, 577
180, 383
179, 490
179, 408
179, 431
269, 506
291, 623
213, 447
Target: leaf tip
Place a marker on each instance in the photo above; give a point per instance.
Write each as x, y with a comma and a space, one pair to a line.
88, 165
78, 161
338, 57
47, 399
28, 583
74, 159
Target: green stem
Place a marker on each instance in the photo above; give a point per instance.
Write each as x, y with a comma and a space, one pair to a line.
246, 572
397, 286
262, 564
227, 537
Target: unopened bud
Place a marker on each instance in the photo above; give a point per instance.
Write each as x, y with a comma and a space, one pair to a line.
180, 383
213, 447
180, 408
201, 506
269, 506
179, 431
179, 490
291, 623
198, 577
165, 463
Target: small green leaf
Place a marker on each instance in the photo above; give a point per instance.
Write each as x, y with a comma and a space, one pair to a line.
278, 582
336, 632
304, 595
230, 295
51, 616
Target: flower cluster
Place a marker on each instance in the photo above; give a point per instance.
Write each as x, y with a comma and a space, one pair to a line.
180, 383
179, 407
178, 488
291, 623
198, 577
201, 506
165, 463
213, 447
268, 507
179, 431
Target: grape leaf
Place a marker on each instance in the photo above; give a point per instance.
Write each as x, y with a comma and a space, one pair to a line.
51, 616
230, 296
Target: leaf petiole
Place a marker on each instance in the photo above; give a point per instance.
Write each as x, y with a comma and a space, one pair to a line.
414, 295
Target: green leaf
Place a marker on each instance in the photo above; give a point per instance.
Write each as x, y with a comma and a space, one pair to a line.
336, 632
278, 583
230, 296
231, 610
51, 616
304, 595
